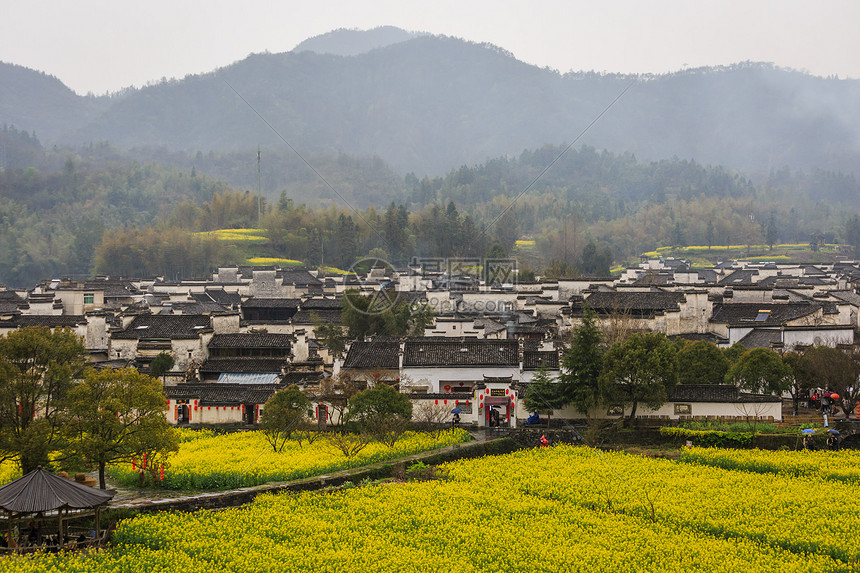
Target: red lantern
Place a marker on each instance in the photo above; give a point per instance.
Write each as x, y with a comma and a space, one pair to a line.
456, 402
506, 391
446, 400
437, 401
447, 386
134, 463
162, 472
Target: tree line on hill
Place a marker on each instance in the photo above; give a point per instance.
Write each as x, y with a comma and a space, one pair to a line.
76, 212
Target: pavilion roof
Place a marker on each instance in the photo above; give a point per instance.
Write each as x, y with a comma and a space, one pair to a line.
41, 490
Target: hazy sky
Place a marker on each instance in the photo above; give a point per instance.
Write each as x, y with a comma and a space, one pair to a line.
104, 45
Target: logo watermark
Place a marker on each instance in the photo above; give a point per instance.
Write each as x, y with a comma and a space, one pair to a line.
378, 294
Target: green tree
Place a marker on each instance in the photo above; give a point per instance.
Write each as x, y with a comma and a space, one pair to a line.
282, 414
161, 365
762, 371
381, 412
852, 233
37, 370
734, 353
771, 233
642, 369
543, 393
595, 263
383, 313
581, 366
701, 362
116, 415
329, 334
526, 276
800, 378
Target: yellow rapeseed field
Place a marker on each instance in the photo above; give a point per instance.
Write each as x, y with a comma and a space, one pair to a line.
273, 261
840, 466
9, 470
549, 509
243, 459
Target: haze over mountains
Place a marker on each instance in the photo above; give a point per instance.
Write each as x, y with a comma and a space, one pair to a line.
428, 104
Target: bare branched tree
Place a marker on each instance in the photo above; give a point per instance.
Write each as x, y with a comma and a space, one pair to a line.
618, 325
432, 417
348, 444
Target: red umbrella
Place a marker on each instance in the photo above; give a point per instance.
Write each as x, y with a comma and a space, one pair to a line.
834, 396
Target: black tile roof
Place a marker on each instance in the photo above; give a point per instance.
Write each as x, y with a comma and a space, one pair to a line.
537, 359
10, 296
300, 278
846, 296
300, 378
214, 394
197, 307
377, 353
739, 277
321, 304
454, 352
271, 303
251, 340
635, 303
695, 336
489, 325
772, 313
51, 321
173, 326
715, 393
10, 307
761, 338
223, 297
654, 278
707, 275
116, 290
314, 316
244, 365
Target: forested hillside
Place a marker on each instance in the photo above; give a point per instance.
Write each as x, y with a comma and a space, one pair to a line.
432, 103
37, 102
96, 209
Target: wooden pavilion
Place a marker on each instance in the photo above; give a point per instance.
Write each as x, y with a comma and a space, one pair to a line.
41, 497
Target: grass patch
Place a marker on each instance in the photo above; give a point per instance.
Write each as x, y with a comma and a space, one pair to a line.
258, 261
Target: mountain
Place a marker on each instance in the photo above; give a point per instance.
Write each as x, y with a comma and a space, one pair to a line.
35, 101
432, 103
343, 42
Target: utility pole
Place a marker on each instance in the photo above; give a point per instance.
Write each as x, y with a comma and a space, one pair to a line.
259, 190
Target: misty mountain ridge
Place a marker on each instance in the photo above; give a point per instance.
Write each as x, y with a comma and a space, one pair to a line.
353, 42
428, 104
